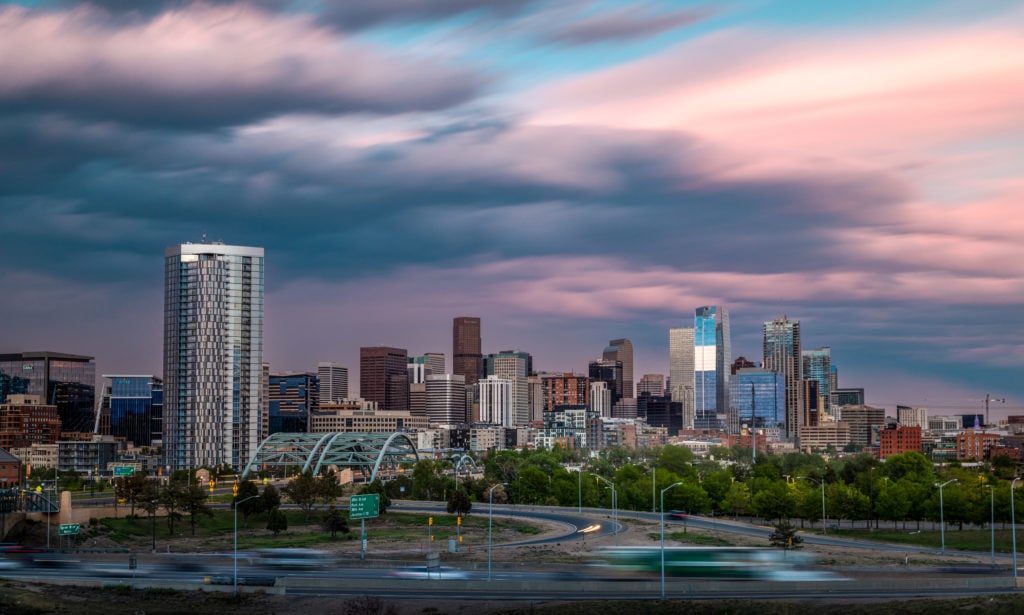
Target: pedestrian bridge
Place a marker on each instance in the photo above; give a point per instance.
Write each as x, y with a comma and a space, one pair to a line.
366, 454
16, 500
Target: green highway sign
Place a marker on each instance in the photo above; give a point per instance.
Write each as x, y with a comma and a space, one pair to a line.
364, 506
68, 529
124, 470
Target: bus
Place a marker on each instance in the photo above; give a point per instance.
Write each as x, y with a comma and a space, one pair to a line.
713, 562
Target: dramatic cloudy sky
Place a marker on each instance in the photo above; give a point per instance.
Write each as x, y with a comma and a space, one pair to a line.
570, 170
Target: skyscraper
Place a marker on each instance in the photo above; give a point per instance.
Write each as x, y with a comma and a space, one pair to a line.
213, 354
622, 350
712, 363
446, 399
333, 382
680, 360
67, 381
514, 365
383, 376
759, 396
609, 371
782, 355
467, 360
293, 399
652, 384
817, 365
131, 407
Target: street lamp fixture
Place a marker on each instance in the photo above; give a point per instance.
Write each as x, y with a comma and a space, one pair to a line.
615, 506
663, 536
942, 515
251, 497
490, 524
1013, 530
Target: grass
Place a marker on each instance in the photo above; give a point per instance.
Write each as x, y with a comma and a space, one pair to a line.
692, 538
964, 540
219, 529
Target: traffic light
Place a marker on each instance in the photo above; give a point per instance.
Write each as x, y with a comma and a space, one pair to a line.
212, 483
430, 521
234, 490
458, 520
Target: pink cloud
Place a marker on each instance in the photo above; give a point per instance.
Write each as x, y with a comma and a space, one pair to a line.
208, 63
772, 102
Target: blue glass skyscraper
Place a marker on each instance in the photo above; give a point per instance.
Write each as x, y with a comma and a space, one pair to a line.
132, 408
711, 369
759, 397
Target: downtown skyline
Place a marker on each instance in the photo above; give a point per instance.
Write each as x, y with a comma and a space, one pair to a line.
571, 173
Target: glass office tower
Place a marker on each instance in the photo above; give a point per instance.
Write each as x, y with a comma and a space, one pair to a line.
711, 369
67, 381
132, 408
213, 354
818, 366
782, 354
759, 396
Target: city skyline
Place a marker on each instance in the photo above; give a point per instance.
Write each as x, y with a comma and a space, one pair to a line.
571, 173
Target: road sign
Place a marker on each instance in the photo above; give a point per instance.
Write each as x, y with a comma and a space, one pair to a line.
124, 470
365, 506
68, 529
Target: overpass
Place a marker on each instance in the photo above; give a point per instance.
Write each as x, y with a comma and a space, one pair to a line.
366, 454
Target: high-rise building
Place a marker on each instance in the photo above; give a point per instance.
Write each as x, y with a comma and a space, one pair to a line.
333, 382
421, 366
25, 420
652, 384
782, 354
600, 399
565, 390
759, 397
712, 365
660, 411
497, 405
681, 379
213, 354
609, 371
131, 407
817, 364
446, 399
844, 397
383, 376
467, 360
907, 416
622, 350
67, 381
516, 366
863, 420
293, 399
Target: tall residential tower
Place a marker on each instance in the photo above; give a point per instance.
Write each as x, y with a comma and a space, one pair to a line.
213, 354
782, 355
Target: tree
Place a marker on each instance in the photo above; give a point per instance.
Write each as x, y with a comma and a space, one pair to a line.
194, 503
774, 502
129, 488
784, 536
737, 499
303, 492
333, 521
269, 499
277, 522
677, 459
381, 490
246, 490
459, 503
172, 499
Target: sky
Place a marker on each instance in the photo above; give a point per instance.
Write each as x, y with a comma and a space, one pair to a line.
571, 171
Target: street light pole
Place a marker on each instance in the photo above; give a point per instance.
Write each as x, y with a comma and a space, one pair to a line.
942, 517
654, 476
663, 536
615, 507
579, 490
236, 539
1013, 530
992, 519
490, 517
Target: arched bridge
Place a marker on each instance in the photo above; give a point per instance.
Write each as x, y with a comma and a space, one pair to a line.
364, 453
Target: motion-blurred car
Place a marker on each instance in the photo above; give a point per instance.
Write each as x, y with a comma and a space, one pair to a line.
676, 514
422, 572
293, 558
